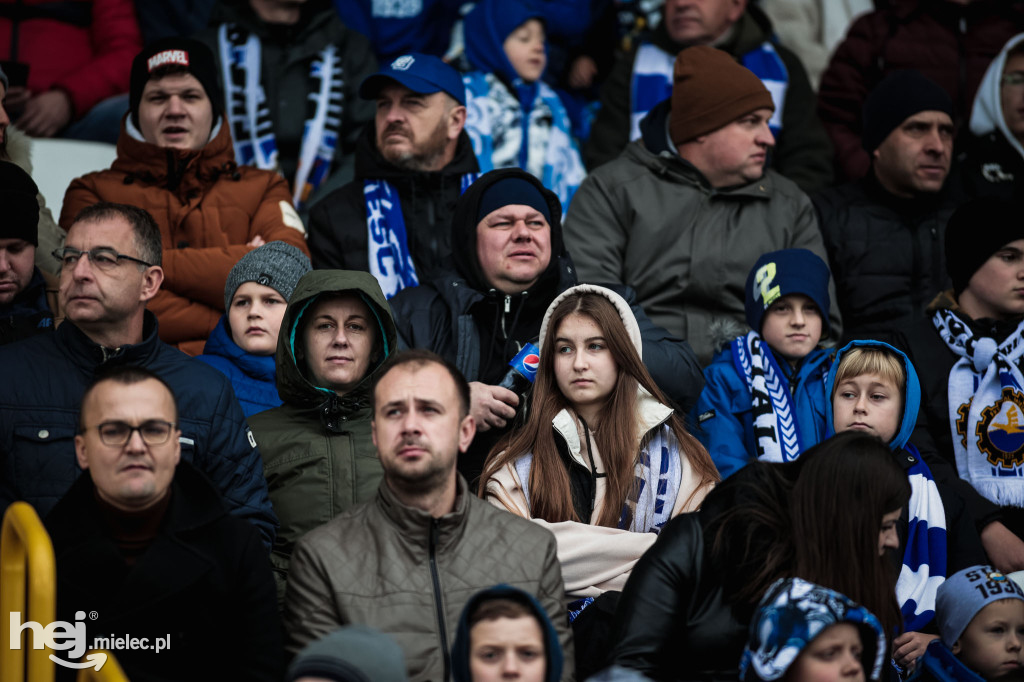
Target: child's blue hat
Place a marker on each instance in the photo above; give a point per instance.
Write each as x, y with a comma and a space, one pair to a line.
780, 273
965, 593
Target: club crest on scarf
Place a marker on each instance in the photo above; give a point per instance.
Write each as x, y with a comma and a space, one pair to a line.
1000, 432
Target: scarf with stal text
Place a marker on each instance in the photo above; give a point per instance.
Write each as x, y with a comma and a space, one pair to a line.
986, 409
775, 434
539, 141
390, 259
249, 117
924, 558
652, 81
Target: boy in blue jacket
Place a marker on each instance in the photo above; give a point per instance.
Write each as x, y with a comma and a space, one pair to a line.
764, 394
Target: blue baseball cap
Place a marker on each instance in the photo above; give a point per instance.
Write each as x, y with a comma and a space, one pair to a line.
422, 73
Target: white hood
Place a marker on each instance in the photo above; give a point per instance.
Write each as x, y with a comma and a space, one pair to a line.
987, 113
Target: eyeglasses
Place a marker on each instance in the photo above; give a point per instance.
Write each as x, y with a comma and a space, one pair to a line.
102, 257
1014, 79
117, 433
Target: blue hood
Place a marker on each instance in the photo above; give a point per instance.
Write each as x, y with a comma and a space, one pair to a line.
485, 29
911, 399
460, 650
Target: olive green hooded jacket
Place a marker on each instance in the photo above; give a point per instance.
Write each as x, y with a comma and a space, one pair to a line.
318, 455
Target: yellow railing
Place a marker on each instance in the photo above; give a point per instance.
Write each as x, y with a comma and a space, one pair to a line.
110, 672
26, 560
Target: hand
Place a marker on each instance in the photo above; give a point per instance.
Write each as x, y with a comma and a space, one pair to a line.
46, 114
256, 242
491, 406
16, 99
1005, 550
909, 647
582, 72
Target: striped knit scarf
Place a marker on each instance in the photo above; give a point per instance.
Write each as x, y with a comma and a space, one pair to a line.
249, 116
776, 437
652, 81
540, 142
924, 559
986, 409
390, 259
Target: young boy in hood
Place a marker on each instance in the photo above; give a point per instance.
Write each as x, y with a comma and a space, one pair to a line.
764, 395
505, 634
513, 118
873, 387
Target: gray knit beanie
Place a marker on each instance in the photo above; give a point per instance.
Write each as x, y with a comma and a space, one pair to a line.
276, 265
355, 653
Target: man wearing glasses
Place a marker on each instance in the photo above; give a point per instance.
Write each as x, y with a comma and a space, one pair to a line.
144, 543
110, 269
993, 158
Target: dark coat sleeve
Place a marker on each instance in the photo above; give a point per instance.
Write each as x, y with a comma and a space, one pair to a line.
610, 132
337, 230
803, 152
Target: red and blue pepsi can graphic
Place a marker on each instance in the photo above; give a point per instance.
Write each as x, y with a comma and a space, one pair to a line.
527, 361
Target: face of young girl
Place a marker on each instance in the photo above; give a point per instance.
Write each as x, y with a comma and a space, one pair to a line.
833, 656
584, 367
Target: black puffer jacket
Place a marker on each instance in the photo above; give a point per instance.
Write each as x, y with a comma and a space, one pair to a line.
478, 328
990, 167
337, 225
886, 254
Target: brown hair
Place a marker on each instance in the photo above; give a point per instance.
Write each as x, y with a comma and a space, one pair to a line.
500, 607
420, 357
550, 490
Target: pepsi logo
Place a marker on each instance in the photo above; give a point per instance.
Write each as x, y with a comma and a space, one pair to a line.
531, 362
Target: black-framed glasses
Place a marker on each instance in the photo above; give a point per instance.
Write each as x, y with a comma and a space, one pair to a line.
102, 257
118, 433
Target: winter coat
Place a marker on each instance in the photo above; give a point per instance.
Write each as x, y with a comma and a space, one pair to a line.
318, 455
207, 208
44, 379
83, 47
462, 647
33, 310
939, 664
203, 582
338, 236
251, 376
724, 411
461, 317
287, 53
802, 152
932, 433
949, 42
594, 558
398, 569
650, 220
886, 253
991, 158
401, 27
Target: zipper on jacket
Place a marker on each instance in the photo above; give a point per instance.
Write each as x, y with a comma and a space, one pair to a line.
435, 525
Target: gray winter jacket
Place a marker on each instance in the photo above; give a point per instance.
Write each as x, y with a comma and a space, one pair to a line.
650, 220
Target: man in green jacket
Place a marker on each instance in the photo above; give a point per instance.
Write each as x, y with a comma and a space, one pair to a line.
407, 562
318, 455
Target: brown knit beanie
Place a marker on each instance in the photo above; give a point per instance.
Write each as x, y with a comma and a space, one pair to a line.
710, 90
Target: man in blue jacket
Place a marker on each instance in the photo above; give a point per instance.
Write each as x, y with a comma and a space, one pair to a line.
110, 268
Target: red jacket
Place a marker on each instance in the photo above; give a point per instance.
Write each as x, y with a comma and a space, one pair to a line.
950, 43
90, 62
207, 208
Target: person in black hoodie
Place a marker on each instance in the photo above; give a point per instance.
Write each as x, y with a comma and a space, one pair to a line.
482, 314
411, 167
968, 355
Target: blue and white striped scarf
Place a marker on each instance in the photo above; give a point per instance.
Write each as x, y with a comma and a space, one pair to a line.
776, 436
541, 143
249, 117
652, 81
924, 559
390, 260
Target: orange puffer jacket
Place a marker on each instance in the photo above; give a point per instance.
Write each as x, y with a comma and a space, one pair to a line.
208, 210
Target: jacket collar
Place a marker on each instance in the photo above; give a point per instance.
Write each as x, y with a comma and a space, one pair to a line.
220, 343
87, 354
651, 414
414, 525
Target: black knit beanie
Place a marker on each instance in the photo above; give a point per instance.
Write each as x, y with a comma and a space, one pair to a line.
190, 54
18, 197
900, 95
977, 230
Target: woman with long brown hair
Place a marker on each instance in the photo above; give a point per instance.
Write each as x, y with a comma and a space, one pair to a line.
602, 460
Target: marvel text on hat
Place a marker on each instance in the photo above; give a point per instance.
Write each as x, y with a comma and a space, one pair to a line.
167, 57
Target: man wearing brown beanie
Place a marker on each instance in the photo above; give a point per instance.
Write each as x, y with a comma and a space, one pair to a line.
684, 212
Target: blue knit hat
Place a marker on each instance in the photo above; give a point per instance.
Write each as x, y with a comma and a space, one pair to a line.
780, 273
963, 594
